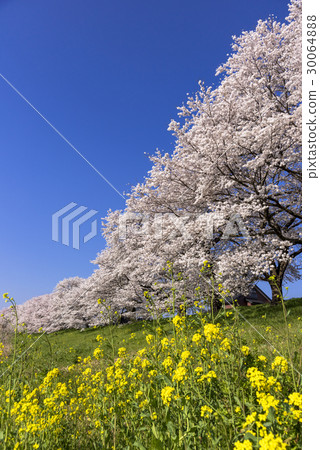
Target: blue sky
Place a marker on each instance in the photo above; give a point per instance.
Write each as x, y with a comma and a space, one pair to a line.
109, 76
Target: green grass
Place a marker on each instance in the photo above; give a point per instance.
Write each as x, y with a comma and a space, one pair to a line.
197, 390
61, 349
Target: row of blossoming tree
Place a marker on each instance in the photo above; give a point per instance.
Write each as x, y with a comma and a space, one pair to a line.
230, 193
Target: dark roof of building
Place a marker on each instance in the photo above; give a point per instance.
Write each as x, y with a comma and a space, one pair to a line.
254, 295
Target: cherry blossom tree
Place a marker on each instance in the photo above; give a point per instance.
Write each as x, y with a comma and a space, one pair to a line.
230, 194
238, 151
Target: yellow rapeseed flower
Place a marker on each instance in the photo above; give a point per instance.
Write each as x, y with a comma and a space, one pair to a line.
138, 394
122, 352
245, 445
149, 338
245, 350
164, 343
142, 352
196, 338
225, 345
211, 332
262, 358
98, 353
295, 399
206, 411
267, 400
271, 381
249, 419
256, 378
281, 363
166, 395
179, 374
270, 442
152, 374
145, 363
167, 363
178, 322
144, 403
208, 376
204, 352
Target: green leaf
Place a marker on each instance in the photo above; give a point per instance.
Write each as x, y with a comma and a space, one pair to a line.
139, 445
249, 405
251, 438
271, 414
270, 418
167, 380
154, 431
156, 444
215, 441
171, 428
286, 407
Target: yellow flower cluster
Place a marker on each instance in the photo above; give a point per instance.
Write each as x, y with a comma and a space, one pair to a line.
211, 332
262, 358
167, 363
256, 378
245, 350
270, 442
179, 374
272, 382
207, 377
245, 445
266, 401
225, 345
191, 374
295, 399
185, 355
166, 395
196, 338
206, 411
122, 352
178, 321
149, 338
99, 338
280, 363
250, 419
98, 353
165, 343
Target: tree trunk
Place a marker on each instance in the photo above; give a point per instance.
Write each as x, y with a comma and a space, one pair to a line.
276, 290
216, 304
277, 274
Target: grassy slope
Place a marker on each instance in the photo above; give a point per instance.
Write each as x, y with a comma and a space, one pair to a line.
62, 349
